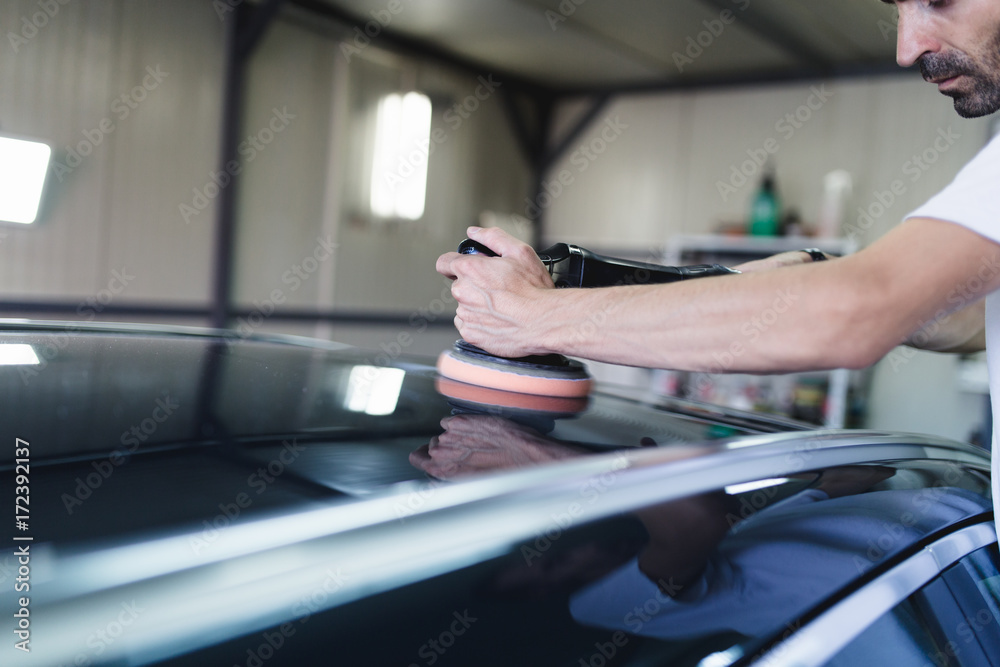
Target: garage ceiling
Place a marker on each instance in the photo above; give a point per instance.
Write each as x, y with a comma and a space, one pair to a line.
583, 45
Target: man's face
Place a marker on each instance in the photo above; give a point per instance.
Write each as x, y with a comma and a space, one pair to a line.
956, 44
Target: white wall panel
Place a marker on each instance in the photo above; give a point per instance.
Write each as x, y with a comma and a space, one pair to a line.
378, 265
623, 180
881, 130
52, 87
117, 207
476, 167
280, 195
663, 178
165, 147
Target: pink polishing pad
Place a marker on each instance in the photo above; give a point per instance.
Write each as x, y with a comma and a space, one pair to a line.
508, 379
488, 398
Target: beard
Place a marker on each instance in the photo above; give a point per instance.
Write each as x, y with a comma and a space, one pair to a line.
983, 97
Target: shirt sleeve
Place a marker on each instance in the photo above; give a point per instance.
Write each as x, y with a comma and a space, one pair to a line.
973, 198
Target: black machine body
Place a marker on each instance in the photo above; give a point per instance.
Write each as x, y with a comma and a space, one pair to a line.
573, 266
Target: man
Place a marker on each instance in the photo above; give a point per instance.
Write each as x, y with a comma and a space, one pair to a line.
924, 283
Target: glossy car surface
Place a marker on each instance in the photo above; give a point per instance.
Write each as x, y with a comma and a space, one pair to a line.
202, 498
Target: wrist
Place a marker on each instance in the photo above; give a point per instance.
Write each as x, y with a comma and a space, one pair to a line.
552, 319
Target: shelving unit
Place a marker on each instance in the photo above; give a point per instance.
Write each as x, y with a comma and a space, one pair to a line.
794, 394
745, 248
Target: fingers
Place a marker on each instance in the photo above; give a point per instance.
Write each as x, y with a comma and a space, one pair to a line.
494, 238
420, 457
499, 241
444, 265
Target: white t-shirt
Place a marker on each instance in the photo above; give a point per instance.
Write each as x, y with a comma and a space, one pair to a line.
973, 201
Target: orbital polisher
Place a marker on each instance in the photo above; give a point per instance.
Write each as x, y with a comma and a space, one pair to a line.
554, 374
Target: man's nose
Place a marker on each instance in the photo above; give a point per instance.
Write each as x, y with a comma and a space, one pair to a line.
915, 35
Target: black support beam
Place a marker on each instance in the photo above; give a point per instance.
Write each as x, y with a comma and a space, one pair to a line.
244, 30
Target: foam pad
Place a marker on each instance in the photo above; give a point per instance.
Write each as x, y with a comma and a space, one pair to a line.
567, 380
497, 401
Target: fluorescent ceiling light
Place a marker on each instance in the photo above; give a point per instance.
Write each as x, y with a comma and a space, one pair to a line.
23, 165
18, 354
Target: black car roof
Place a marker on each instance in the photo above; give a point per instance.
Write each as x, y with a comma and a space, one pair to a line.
193, 468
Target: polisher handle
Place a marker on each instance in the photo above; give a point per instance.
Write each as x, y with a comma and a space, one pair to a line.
573, 266
470, 247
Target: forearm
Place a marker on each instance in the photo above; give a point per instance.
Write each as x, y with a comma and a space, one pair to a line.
961, 332
844, 313
805, 317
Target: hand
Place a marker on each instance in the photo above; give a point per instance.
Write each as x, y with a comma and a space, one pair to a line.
498, 297
473, 444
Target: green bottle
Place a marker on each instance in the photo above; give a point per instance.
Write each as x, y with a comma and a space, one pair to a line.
765, 211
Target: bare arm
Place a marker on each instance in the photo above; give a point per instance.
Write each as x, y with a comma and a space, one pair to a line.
844, 313
961, 332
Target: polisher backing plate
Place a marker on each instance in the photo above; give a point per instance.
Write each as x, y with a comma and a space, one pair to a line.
546, 375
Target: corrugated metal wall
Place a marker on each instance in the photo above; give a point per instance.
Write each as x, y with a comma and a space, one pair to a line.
128, 95
128, 92
660, 174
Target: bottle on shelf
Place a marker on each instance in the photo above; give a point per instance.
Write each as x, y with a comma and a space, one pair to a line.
766, 209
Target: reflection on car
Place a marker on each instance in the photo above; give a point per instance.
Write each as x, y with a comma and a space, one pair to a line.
204, 499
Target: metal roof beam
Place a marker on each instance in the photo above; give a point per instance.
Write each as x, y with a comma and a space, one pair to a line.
781, 38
